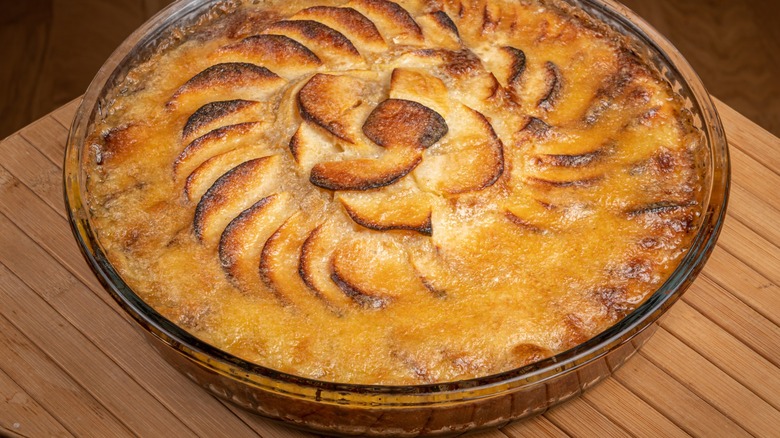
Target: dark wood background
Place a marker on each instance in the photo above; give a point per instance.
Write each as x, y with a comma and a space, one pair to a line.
51, 49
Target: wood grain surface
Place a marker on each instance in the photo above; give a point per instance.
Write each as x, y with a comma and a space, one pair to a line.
73, 364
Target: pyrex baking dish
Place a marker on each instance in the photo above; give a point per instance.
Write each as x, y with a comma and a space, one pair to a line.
445, 408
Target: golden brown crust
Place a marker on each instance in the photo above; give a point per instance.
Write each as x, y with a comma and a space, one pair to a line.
231, 194
328, 100
327, 41
218, 140
212, 113
223, 77
389, 15
365, 174
347, 21
382, 192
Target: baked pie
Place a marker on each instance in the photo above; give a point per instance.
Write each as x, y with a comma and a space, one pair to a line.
380, 192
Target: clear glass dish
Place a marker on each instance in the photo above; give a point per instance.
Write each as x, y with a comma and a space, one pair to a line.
436, 409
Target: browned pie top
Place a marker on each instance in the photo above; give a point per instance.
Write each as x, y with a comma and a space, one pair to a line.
395, 193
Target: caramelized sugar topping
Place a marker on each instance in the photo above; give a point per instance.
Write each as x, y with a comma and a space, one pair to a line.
386, 192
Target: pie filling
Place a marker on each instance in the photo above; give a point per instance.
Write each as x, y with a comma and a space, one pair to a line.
408, 192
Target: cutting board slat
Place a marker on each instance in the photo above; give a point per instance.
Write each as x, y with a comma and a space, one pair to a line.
42, 224
48, 136
22, 414
50, 385
111, 345
64, 114
34, 170
736, 317
745, 244
633, 414
761, 217
709, 340
67, 346
740, 280
754, 176
749, 137
675, 400
704, 378
577, 416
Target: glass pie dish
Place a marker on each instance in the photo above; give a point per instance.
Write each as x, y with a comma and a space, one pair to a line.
410, 410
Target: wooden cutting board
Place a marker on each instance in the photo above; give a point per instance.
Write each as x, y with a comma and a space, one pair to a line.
72, 363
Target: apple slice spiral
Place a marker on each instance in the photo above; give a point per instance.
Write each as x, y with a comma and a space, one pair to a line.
385, 142
372, 159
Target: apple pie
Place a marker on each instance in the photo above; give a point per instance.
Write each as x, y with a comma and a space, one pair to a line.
394, 192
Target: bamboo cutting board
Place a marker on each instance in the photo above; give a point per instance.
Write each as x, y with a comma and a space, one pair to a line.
73, 364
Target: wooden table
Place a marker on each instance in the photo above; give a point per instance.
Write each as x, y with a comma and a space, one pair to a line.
71, 363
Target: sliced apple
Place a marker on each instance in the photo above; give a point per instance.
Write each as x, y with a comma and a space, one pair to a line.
421, 366
332, 102
225, 81
199, 181
243, 239
562, 146
394, 22
314, 265
529, 214
214, 143
471, 82
607, 96
576, 330
515, 65
470, 159
616, 104
616, 301
522, 222
330, 45
374, 271
404, 128
349, 22
216, 114
444, 21
419, 86
309, 146
577, 168
583, 182
524, 354
280, 53
404, 123
401, 206
439, 30
507, 63
658, 207
233, 193
554, 84
537, 128
364, 173
432, 270
668, 218
571, 160
288, 114
421, 59
593, 83
279, 261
